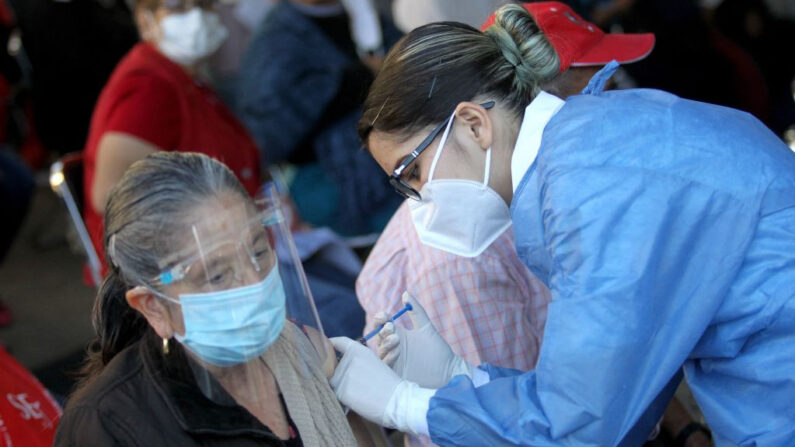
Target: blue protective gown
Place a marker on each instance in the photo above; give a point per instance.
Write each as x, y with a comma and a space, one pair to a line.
665, 229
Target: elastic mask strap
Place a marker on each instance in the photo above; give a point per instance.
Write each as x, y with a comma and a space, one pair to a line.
487, 174
441, 146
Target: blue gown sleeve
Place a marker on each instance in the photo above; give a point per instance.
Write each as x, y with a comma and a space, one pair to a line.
640, 261
497, 372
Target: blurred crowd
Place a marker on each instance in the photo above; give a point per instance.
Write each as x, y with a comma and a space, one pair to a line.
274, 89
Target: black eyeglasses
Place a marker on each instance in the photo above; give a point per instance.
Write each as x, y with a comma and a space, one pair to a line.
396, 180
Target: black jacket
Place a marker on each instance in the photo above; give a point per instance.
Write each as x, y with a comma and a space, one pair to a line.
140, 399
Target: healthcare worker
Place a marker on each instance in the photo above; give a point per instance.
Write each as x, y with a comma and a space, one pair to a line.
664, 228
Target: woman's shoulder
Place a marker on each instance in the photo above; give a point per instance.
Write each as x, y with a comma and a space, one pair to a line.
144, 71
136, 95
83, 425
629, 104
125, 367
123, 377
98, 412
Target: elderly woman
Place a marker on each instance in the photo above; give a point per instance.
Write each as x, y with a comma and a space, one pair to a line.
206, 333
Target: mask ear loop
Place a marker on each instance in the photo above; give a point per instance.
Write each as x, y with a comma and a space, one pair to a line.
487, 174
442, 142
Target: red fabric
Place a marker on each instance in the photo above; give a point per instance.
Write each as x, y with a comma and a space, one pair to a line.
28, 414
153, 99
32, 151
6, 14
581, 43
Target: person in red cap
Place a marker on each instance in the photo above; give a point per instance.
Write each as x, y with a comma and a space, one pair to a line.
579, 43
664, 229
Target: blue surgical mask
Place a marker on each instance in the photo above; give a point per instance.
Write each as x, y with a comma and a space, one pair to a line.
233, 326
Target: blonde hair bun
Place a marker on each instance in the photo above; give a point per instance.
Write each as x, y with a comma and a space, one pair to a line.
524, 46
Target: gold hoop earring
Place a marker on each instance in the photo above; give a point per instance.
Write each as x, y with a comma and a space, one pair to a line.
165, 346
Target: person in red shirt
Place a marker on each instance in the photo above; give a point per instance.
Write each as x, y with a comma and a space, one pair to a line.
155, 101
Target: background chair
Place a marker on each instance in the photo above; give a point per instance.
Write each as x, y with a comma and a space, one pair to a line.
66, 180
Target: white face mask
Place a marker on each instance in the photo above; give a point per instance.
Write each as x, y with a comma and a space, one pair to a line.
191, 36
462, 217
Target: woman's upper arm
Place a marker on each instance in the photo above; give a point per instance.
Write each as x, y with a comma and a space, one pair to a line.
144, 117
115, 153
324, 349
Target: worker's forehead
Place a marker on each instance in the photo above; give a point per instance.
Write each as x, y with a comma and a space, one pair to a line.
390, 149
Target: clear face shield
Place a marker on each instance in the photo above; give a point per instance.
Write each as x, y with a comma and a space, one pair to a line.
240, 306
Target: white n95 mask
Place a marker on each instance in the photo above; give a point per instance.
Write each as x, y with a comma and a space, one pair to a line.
191, 36
458, 216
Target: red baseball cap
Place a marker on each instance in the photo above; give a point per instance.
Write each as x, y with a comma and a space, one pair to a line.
580, 43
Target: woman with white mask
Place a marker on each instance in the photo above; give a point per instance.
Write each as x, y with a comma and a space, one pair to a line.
664, 229
207, 333
156, 100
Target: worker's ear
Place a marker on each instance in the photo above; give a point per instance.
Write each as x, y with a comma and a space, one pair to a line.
475, 121
153, 309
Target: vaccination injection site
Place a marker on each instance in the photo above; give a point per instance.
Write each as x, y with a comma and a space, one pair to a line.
397, 223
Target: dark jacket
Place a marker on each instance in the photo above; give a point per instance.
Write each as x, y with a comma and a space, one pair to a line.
141, 400
298, 101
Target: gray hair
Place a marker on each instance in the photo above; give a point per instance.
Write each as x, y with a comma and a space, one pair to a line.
147, 210
439, 65
151, 204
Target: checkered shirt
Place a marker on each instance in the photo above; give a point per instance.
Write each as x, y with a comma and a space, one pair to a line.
489, 309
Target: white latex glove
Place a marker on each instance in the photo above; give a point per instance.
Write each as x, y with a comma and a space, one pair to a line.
365, 25
419, 355
368, 387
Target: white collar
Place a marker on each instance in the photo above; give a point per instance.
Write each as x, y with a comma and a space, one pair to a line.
536, 116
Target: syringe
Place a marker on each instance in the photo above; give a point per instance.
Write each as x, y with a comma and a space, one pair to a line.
375, 331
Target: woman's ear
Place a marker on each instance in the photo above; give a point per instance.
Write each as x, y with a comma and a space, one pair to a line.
153, 309
476, 122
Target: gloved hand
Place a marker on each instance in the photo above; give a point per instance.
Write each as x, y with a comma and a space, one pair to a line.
365, 25
419, 355
368, 387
